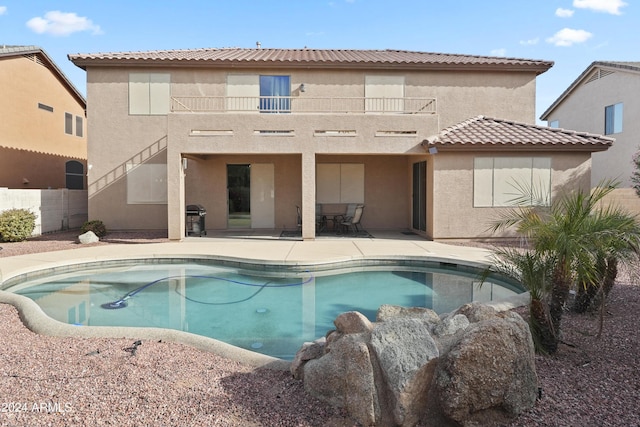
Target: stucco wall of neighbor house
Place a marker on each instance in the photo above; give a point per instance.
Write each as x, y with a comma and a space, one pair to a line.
33, 170
455, 217
584, 110
36, 136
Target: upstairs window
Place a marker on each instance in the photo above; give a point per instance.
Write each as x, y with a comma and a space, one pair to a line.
275, 93
149, 93
79, 126
68, 123
252, 92
613, 119
384, 93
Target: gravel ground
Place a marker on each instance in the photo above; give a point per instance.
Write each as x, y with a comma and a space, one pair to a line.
53, 381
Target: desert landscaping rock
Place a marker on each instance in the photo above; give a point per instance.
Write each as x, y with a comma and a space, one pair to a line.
393, 374
88, 237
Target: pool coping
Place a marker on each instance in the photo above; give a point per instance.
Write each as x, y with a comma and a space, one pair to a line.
269, 253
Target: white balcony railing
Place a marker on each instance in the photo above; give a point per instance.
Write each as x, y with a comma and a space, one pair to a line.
297, 104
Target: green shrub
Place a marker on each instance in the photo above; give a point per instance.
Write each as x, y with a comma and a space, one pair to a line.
96, 226
16, 225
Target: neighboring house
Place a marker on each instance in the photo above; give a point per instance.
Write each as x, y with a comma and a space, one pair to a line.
249, 134
43, 131
604, 99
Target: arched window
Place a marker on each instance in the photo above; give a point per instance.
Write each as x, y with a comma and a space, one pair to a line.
75, 175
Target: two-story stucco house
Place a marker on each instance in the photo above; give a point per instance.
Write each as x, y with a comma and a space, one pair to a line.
431, 143
43, 130
603, 99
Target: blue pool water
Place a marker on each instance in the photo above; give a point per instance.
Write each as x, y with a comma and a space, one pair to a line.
271, 312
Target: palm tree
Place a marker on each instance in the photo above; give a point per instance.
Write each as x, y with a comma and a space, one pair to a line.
574, 231
533, 270
618, 240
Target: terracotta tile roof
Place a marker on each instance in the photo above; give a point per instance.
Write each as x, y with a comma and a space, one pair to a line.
309, 57
486, 133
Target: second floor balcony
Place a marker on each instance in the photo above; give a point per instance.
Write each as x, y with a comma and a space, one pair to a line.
302, 105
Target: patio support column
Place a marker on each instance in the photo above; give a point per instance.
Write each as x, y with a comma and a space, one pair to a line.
308, 195
175, 192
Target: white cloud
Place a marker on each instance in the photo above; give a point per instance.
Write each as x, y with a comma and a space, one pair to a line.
499, 52
530, 42
59, 23
3, 10
607, 6
564, 13
569, 37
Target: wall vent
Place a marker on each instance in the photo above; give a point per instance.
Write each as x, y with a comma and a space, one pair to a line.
598, 74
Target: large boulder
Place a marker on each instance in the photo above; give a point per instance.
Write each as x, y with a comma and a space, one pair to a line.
407, 356
308, 351
489, 376
344, 378
474, 366
387, 311
352, 322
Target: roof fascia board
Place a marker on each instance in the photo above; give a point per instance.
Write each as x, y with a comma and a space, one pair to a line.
516, 148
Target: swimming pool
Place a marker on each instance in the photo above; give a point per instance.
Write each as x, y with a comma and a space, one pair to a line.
266, 309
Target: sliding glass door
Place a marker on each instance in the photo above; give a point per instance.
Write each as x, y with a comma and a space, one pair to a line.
251, 196
239, 196
419, 211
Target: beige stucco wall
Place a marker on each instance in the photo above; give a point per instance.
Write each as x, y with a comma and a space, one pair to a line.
455, 217
33, 141
116, 138
583, 111
460, 94
387, 199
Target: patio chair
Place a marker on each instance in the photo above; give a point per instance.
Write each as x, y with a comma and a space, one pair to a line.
299, 214
351, 210
354, 221
321, 220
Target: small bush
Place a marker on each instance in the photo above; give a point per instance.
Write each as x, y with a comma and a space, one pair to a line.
16, 225
96, 226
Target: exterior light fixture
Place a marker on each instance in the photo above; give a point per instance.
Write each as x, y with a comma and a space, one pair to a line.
302, 88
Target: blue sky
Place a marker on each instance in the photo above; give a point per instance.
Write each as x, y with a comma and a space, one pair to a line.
572, 33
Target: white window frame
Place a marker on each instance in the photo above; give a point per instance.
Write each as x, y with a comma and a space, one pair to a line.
613, 118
